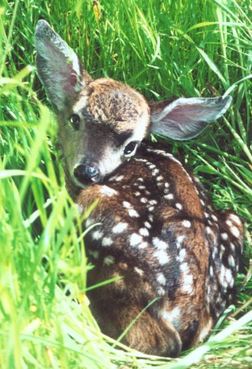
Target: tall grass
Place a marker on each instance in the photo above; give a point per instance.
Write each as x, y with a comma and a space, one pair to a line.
162, 48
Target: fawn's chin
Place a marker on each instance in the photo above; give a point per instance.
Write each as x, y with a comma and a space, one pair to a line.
86, 182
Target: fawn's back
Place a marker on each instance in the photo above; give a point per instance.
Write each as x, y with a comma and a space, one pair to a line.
172, 258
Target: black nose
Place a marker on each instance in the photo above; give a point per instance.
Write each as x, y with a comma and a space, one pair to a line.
86, 173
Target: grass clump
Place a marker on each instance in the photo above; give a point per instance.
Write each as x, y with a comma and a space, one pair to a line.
162, 48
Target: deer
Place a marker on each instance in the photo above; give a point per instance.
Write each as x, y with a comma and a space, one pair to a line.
173, 259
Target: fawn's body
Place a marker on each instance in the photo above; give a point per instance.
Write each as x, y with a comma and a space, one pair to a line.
160, 237
174, 259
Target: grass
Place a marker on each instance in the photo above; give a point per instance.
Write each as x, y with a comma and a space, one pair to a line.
162, 48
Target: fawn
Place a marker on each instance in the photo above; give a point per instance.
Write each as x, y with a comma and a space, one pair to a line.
174, 258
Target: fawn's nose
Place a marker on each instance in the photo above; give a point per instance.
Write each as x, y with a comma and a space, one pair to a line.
87, 172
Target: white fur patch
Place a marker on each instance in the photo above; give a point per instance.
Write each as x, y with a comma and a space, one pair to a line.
235, 219
224, 236
97, 235
235, 231
170, 196
162, 257
186, 223
108, 191
133, 213
159, 244
109, 260
120, 227
144, 232
139, 271
107, 241
161, 279
135, 239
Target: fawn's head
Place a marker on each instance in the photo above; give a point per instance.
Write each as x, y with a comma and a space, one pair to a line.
102, 122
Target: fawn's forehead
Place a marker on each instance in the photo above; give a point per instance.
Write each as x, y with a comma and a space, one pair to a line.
114, 104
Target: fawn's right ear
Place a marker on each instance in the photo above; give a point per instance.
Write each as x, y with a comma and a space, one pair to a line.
58, 67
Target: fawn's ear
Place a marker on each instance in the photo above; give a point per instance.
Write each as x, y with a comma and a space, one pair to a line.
185, 118
58, 67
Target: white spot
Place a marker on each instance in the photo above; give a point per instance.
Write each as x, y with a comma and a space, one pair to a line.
133, 213
231, 261
184, 268
211, 272
209, 231
215, 252
214, 217
180, 240
206, 215
202, 202
167, 185
120, 227
172, 316
235, 231
152, 166
135, 239
141, 187
235, 219
161, 279
155, 172
153, 202
140, 179
170, 196
144, 200
97, 235
229, 277
108, 191
147, 192
151, 208
161, 245
94, 254
147, 224
143, 245
182, 255
137, 193
224, 236
222, 276
139, 271
229, 223
119, 178
159, 178
179, 206
109, 260
89, 222
160, 291
107, 241
126, 204
150, 217
144, 232
222, 250
186, 223
162, 256
187, 286
232, 247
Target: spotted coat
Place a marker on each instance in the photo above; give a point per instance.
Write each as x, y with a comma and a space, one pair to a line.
159, 238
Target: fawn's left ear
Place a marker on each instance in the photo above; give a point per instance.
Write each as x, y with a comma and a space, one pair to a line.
186, 118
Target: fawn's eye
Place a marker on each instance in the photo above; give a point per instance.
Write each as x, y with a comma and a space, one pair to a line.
75, 121
130, 148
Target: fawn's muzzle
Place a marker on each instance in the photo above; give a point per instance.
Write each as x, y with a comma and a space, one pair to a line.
87, 173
